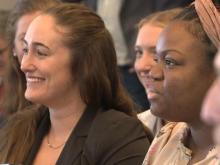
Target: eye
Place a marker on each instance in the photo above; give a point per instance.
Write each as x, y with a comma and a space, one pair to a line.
138, 53
170, 62
40, 53
25, 51
155, 59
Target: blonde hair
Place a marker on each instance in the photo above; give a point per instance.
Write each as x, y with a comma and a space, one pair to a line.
160, 19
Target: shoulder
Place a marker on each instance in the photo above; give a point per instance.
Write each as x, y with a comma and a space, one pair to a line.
167, 139
114, 135
147, 118
152, 122
113, 116
19, 128
116, 122
170, 130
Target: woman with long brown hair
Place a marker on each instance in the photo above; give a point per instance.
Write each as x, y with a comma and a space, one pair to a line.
72, 71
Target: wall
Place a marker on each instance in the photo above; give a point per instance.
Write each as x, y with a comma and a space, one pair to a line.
6, 4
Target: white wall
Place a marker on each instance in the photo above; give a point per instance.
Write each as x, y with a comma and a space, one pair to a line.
6, 4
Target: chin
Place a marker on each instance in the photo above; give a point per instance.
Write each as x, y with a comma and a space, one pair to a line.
161, 112
34, 99
156, 110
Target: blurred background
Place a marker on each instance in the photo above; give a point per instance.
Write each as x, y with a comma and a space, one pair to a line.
6, 4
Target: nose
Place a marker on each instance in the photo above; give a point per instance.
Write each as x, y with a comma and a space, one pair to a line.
144, 64
27, 63
156, 72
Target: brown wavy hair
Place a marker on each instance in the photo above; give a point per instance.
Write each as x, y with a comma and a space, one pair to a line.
94, 64
93, 67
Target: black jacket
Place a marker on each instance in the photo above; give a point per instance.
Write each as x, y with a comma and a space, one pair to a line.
104, 138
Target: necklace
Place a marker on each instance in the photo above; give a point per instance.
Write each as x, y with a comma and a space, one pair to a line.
52, 146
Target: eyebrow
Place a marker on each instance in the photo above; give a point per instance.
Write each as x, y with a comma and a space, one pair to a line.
148, 48
36, 44
170, 50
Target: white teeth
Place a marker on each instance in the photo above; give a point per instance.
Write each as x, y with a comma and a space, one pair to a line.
33, 79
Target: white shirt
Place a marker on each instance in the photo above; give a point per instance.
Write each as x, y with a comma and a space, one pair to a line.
109, 10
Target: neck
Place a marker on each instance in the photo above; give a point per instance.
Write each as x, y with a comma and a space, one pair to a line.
201, 137
63, 120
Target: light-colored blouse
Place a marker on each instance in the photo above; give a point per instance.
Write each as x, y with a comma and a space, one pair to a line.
168, 149
153, 123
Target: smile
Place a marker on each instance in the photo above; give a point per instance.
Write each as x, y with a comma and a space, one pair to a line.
152, 94
34, 79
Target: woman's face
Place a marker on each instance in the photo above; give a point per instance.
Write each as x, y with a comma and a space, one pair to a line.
22, 26
145, 48
211, 106
181, 76
47, 64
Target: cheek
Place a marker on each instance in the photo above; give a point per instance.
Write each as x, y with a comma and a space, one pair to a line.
19, 50
176, 93
136, 65
137, 68
173, 87
64, 77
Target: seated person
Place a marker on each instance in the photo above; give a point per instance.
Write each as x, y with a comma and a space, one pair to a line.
177, 85
72, 71
211, 105
149, 29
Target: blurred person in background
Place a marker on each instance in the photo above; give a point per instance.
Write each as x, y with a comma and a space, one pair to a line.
4, 53
211, 106
149, 29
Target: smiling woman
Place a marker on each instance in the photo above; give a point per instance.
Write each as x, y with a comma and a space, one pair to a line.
177, 84
72, 71
48, 79
149, 29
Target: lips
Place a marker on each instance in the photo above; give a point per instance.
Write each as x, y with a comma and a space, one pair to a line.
152, 91
152, 94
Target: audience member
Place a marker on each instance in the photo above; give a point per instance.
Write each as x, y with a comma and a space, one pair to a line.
149, 29
211, 108
72, 71
177, 84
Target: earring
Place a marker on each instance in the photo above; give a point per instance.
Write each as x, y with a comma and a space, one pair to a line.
14, 54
